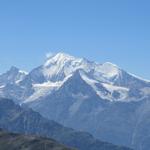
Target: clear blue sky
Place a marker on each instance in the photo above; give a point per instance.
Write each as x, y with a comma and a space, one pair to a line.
102, 30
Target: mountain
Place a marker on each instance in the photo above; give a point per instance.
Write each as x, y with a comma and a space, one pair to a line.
9, 83
14, 75
141, 138
23, 120
118, 85
74, 107
12, 141
100, 98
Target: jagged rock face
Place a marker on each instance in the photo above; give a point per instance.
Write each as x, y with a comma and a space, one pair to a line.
102, 99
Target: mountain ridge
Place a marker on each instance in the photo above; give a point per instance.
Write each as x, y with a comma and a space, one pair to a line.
13, 141
102, 99
59, 67
24, 120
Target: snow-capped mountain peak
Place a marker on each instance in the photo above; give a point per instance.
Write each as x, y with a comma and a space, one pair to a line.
61, 65
59, 58
58, 66
107, 79
13, 75
12, 69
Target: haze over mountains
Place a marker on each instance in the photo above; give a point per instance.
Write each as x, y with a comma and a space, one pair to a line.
102, 99
23, 120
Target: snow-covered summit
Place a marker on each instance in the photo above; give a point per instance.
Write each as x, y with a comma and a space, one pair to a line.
107, 80
13, 75
59, 58
60, 65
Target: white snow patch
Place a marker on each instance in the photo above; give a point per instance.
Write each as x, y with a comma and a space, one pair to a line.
48, 84
111, 88
23, 72
2, 86
122, 91
44, 89
108, 69
92, 83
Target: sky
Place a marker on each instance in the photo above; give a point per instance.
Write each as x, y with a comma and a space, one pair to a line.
117, 31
